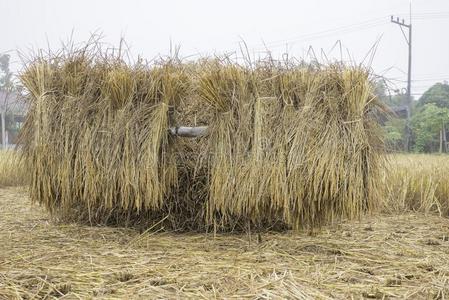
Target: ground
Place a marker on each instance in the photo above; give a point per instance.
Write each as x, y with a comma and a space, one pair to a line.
381, 256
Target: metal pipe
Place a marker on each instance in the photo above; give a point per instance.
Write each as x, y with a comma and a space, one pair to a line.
190, 132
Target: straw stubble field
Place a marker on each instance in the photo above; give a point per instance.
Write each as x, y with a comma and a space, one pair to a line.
403, 256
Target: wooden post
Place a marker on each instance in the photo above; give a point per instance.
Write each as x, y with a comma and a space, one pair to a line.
444, 139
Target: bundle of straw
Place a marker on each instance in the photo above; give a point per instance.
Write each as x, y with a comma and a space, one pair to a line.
96, 137
294, 143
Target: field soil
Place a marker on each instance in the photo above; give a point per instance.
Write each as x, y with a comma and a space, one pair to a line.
386, 256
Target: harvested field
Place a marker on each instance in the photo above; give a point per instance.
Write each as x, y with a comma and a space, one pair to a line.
418, 182
12, 171
398, 256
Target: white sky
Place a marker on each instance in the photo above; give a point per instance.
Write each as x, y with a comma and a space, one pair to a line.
204, 27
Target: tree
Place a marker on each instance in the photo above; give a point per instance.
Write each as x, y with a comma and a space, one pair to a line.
394, 133
5, 74
395, 125
7, 86
430, 120
429, 125
11, 101
438, 94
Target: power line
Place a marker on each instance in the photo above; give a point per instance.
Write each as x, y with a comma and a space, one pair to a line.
431, 79
364, 25
421, 80
329, 32
424, 15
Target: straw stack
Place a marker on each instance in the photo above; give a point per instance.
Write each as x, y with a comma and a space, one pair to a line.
288, 143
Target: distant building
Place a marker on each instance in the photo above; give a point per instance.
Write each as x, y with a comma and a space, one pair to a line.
15, 108
400, 111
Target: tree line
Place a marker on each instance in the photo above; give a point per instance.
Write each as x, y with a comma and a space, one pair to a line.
429, 123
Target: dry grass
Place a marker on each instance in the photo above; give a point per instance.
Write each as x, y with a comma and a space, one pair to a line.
417, 182
12, 170
399, 256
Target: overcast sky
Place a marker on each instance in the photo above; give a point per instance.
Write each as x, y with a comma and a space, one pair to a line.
205, 27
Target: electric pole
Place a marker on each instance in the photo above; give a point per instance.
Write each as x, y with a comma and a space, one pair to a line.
408, 39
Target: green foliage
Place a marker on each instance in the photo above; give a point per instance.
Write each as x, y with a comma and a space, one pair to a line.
394, 133
8, 99
438, 94
430, 115
394, 128
426, 125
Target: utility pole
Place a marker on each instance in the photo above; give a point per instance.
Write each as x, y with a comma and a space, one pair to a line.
408, 39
